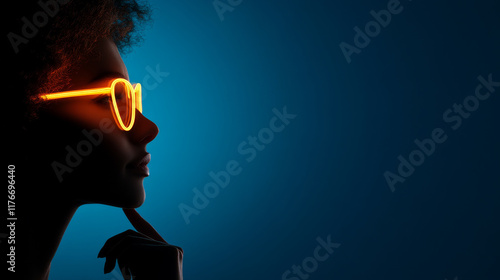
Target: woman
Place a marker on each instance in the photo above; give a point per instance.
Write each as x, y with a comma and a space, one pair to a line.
79, 135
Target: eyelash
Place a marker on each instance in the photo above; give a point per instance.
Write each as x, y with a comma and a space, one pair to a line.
102, 99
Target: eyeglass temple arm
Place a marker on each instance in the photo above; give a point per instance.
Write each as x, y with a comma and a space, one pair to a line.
89, 92
74, 93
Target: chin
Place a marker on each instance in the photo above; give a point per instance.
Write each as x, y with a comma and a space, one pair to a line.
136, 201
125, 195
132, 197
118, 189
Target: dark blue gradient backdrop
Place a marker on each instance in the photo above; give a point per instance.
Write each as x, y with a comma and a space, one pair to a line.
212, 79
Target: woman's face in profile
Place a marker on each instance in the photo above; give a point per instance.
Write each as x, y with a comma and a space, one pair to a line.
91, 158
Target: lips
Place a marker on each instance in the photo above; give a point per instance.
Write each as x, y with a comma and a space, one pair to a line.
140, 166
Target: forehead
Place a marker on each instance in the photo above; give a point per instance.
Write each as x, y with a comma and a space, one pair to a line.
102, 64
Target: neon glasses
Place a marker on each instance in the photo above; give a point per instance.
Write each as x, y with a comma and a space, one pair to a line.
125, 98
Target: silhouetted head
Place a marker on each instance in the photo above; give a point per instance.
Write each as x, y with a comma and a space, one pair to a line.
73, 148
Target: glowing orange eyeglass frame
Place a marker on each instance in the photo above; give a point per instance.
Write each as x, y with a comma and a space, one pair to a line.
133, 95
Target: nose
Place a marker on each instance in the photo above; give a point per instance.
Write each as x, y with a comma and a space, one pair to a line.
144, 130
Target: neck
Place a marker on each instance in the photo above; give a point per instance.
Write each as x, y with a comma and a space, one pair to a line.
44, 224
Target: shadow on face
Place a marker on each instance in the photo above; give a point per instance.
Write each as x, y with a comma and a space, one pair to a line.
76, 149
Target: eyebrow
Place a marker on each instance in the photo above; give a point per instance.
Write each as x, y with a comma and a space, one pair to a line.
105, 75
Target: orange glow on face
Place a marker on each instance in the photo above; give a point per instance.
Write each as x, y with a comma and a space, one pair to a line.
123, 107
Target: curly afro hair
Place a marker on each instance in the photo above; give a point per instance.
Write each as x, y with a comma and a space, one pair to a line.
62, 33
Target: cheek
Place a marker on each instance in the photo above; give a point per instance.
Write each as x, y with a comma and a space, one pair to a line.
103, 178
113, 150
116, 145
84, 113
109, 145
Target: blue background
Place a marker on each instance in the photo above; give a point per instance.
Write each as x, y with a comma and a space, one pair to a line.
323, 174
